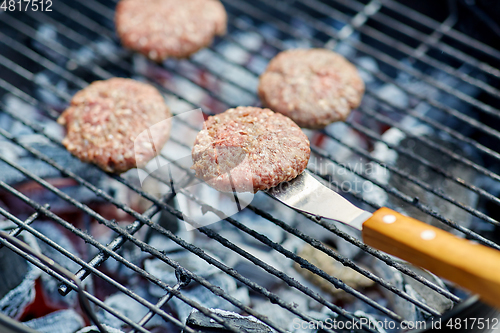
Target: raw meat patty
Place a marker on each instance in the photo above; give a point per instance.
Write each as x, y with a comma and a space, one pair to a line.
105, 119
169, 28
258, 147
313, 87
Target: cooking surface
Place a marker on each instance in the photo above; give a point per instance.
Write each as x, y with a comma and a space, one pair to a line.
423, 142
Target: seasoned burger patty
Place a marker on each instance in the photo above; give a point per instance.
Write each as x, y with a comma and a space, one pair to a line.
169, 28
313, 87
105, 119
256, 146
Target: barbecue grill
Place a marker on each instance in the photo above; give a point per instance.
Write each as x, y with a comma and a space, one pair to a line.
425, 136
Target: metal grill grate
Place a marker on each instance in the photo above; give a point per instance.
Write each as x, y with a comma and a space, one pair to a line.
399, 39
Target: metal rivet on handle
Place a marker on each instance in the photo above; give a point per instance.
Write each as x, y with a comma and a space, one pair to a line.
389, 219
428, 235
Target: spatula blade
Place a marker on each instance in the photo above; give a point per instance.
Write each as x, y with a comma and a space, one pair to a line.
308, 195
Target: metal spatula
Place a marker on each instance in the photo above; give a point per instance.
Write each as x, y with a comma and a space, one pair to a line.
470, 265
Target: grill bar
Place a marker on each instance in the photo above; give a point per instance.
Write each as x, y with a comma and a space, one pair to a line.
122, 207
15, 232
417, 17
456, 157
411, 200
390, 41
162, 301
145, 219
101, 257
110, 15
27, 75
213, 94
49, 271
425, 39
71, 256
345, 261
117, 243
39, 59
405, 152
113, 226
456, 135
205, 230
302, 262
397, 193
318, 25
409, 177
84, 303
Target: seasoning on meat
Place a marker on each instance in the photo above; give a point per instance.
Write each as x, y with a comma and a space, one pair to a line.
249, 145
169, 28
313, 87
106, 122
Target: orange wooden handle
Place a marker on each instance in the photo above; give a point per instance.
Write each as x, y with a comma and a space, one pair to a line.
472, 266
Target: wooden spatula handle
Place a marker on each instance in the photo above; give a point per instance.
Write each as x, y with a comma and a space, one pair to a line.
470, 265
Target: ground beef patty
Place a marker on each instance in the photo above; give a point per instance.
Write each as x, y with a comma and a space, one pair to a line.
169, 28
313, 87
258, 147
105, 120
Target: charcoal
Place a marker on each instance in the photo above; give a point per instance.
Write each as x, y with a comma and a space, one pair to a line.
247, 324
278, 315
186, 259
163, 243
370, 64
393, 95
436, 181
333, 268
61, 156
65, 321
230, 71
208, 299
171, 223
17, 268
19, 297
50, 284
391, 275
342, 246
256, 274
13, 104
415, 289
294, 297
93, 329
375, 321
427, 295
129, 308
262, 226
40, 143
